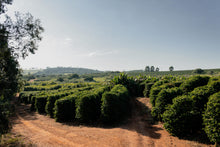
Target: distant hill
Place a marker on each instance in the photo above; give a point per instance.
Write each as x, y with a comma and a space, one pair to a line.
66, 70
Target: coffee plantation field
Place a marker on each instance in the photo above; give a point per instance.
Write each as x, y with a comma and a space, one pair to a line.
185, 105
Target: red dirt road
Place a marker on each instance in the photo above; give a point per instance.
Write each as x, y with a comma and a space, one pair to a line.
43, 131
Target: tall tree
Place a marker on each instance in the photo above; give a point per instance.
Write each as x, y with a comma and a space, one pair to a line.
18, 38
147, 69
171, 68
157, 69
152, 68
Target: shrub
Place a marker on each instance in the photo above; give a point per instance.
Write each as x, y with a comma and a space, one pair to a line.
128, 82
115, 104
51, 101
211, 118
64, 109
214, 86
60, 79
89, 79
147, 89
155, 90
153, 94
40, 103
24, 97
194, 82
89, 105
200, 97
181, 119
198, 71
33, 103
4, 121
164, 98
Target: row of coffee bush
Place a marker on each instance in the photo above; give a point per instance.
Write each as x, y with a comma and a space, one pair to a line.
42, 86
115, 104
86, 104
43, 101
109, 106
184, 105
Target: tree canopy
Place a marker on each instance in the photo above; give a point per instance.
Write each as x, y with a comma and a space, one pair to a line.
18, 38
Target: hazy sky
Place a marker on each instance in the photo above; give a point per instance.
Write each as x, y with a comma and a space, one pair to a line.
125, 34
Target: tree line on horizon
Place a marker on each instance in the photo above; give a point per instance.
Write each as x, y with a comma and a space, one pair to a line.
153, 69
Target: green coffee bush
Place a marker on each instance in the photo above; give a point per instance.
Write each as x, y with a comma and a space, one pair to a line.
51, 101
115, 104
147, 89
181, 118
89, 105
153, 94
211, 118
194, 82
40, 103
163, 99
64, 109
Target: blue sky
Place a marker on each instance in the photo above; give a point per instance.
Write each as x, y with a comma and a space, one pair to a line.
125, 34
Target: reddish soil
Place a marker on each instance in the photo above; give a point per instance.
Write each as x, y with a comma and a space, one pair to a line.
137, 132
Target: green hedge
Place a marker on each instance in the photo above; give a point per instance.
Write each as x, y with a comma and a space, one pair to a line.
4, 116
115, 104
147, 89
155, 90
25, 97
89, 105
163, 99
49, 108
40, 88
181, 118
211, 118
40, 103
33, 103
194, 82
64, 109
200, 97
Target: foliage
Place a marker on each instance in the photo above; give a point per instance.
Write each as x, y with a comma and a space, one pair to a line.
60, 79
171, 68
153, 94
66, 70
51, 101
147, 69
164, 98
89, 104
200, 97
129, 82
194, 82
73, 76
17, 38
40, 103
88, 79
42, 88
211, 118
147, 89
115, 104
198, 71
64, 109
4, 121
157, 87
2, 5
181, 119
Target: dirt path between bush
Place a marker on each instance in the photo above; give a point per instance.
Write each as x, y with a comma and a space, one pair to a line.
43, 131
